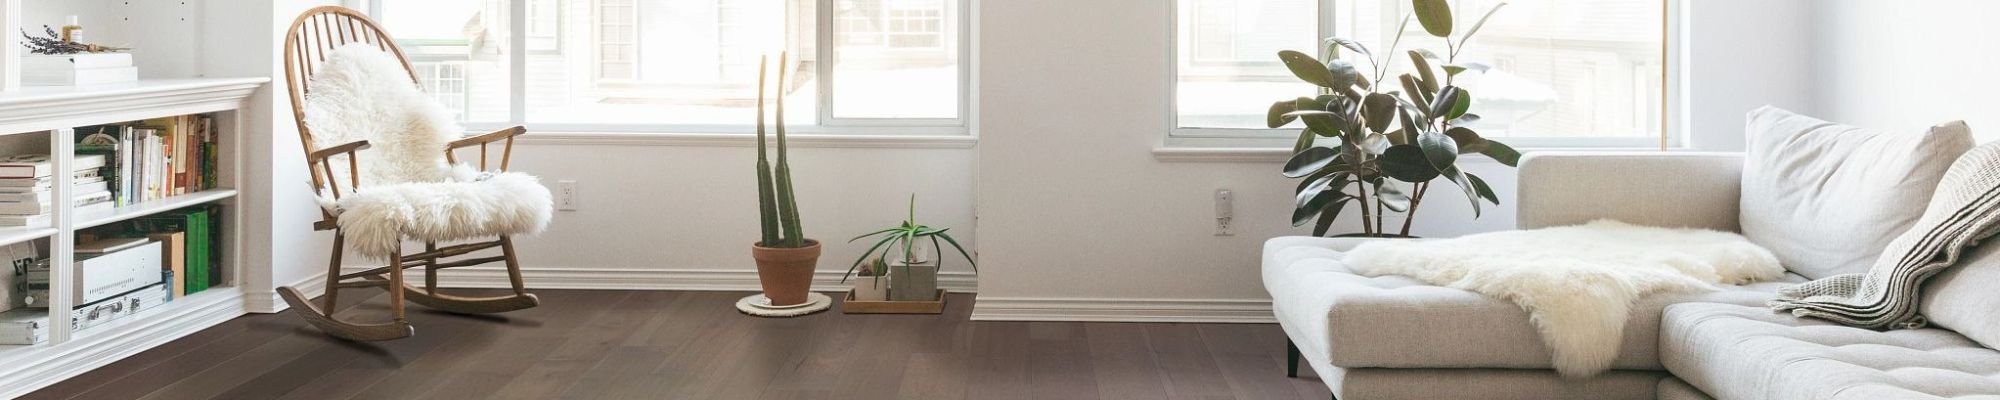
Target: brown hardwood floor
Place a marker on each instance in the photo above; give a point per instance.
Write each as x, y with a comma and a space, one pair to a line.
693, 345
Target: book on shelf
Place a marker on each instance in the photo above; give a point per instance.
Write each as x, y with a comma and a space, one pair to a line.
38, 208
23, 166
200, 254
155, 158
173, 259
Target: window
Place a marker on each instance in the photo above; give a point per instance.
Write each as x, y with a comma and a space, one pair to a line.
1564, 72
689, 66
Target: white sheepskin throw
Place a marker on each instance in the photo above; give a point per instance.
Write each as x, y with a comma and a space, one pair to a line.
407, 189
1576, 282
470, 205
363, 93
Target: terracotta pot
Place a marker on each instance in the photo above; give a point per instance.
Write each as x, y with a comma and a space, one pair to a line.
786, 274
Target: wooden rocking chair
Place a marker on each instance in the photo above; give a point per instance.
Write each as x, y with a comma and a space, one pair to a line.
310, 39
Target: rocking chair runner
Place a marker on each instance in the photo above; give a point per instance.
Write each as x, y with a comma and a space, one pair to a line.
308, 43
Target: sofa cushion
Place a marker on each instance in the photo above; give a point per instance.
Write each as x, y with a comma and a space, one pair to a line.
1399, 322
1964, 297
1827, 198
1743, 352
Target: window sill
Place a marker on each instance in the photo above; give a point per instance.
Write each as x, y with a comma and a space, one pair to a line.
545, 138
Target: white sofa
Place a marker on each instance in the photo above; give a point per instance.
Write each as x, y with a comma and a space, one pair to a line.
1372, 338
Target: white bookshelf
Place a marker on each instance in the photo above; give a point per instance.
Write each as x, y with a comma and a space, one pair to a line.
53, 111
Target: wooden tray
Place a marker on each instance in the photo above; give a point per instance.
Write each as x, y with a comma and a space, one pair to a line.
850, 306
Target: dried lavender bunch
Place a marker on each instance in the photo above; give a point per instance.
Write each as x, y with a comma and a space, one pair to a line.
53, 44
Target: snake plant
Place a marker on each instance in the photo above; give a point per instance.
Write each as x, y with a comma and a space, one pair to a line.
777, 209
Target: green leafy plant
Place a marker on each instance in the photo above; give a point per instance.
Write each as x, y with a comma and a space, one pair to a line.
1362, 136
904, 237
777, 208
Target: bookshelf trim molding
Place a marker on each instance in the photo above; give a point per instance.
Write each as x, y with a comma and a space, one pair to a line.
47, 365
48, 108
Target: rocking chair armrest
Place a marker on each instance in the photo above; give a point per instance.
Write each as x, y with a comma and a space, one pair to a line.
495, 136
343, 148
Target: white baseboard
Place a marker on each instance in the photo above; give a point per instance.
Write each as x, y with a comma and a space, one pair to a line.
269, 302
1123, 310
647, 279
40, 366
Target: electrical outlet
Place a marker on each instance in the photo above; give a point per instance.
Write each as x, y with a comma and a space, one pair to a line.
1225, 212
566, 195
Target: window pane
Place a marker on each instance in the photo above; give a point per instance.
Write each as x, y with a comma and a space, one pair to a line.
459, 51
1228, 58
679, 62
896, 59
1560, 68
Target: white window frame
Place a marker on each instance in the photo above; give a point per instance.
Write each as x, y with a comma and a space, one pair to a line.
1260, 141
876, 129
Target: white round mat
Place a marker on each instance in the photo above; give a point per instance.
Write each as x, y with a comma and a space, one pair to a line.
758, 305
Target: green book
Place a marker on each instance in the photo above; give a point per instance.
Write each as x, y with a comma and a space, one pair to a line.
200, 231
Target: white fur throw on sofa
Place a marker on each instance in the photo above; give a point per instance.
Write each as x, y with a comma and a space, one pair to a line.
1579, 282
407, 190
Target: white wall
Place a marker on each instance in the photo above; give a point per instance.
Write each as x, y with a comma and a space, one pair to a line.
1079, 220
1907, 64
1741, 55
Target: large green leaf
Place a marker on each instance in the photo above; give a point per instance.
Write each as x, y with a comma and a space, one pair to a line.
1312, 159
1468, 141
1305, 140
1439, 149
1350, 44
1392, 197
1327, 216
1427, 79
1458, 177
1323, 123
1460, 107
1414, 91
1485, 191
1344, 75
1502, 153
1310, 203
1435, 15
1446, 100
1408, 163
1375, 143
1379, 110
1278, 117
1307, 68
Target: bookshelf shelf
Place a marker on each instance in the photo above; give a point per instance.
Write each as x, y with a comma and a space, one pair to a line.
17, 234
93, 219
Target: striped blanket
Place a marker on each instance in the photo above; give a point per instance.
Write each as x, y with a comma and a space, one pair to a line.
1965, 210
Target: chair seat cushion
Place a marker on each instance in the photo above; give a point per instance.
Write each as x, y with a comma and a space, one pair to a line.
1747, 352
1399, 322
377, 219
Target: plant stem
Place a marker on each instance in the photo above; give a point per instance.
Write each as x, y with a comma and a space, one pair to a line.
1367, 224
1416, 200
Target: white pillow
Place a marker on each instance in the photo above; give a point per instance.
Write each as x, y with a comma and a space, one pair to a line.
1827, 198
1963, 298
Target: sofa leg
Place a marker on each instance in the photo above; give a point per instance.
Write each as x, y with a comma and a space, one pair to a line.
1291, 359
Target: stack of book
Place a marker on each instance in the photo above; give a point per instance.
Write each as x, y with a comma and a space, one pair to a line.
80, 69
27, 183
155, 158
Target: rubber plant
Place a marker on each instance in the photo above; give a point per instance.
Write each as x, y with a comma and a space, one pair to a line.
904, 237
1365, 139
